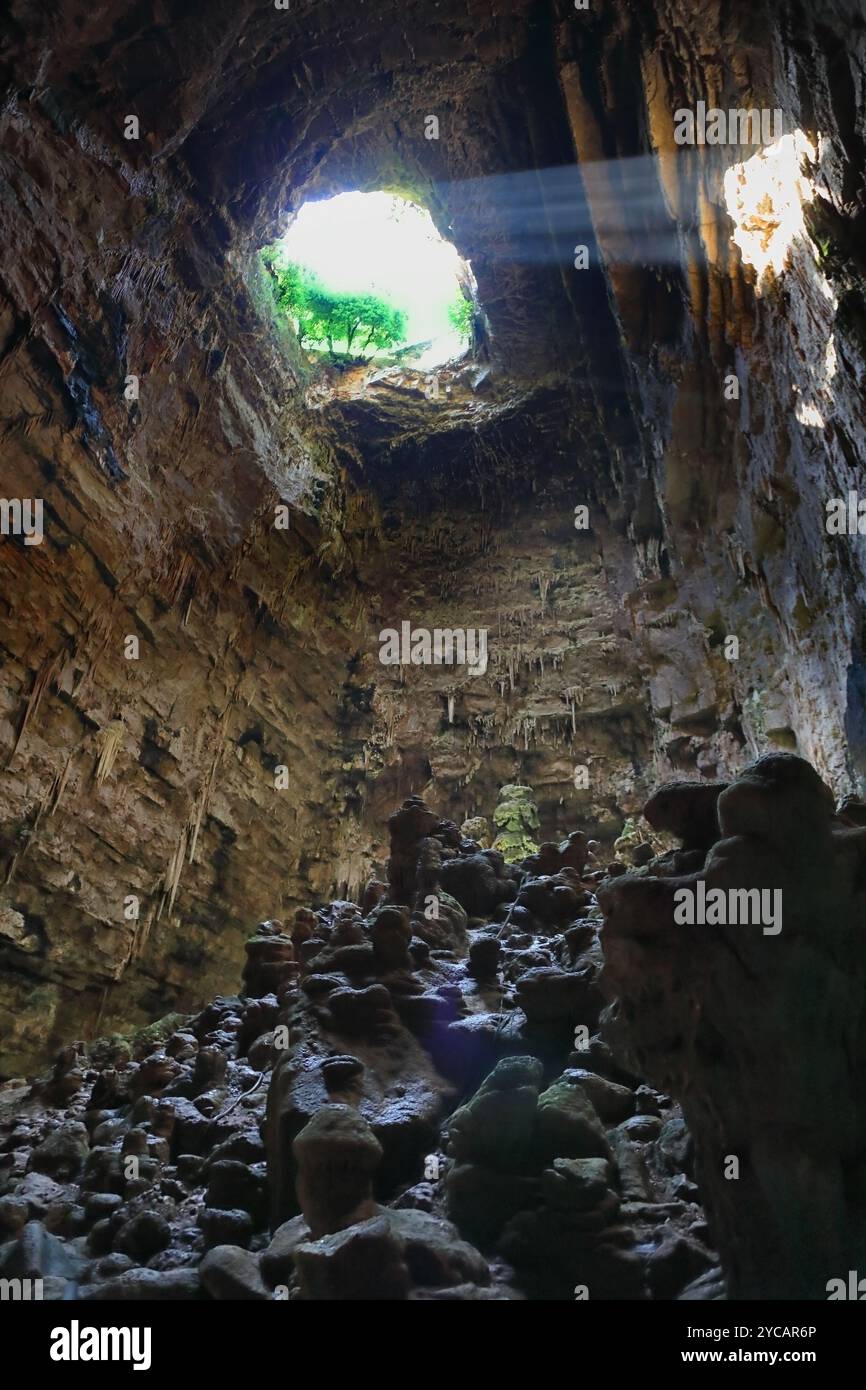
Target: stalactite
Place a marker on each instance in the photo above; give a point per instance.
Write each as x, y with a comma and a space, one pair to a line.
137, 943
543, 582
58, 786
171, 882
42, 680
103, 999
203, 801
111, 738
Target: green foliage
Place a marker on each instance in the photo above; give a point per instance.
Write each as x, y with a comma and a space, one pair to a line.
322, 317
516, 815
460, 315
630, 837
123, 1044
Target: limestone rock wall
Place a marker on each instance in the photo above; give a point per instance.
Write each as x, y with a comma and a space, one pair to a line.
755, 1020
741, 477
154, 778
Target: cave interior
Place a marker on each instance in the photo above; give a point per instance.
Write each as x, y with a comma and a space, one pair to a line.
326, 976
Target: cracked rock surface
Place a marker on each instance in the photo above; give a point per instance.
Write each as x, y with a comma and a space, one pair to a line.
376, 1115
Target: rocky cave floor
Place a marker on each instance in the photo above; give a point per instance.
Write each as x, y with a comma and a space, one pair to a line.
395, 1106
434, 1094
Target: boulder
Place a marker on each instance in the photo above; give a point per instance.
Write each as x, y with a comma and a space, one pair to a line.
337, 1155
577, 1184
612, 1102
362, 1262
496, 1127
63, 1153
568, 1126
547, 994
228, 1272
688, 810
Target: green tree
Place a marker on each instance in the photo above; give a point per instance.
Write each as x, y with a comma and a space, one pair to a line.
322, 316
460, 315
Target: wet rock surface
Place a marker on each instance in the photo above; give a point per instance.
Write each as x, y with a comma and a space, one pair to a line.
758, 1025
580, 1094
154, 779
365, 1122
242, 765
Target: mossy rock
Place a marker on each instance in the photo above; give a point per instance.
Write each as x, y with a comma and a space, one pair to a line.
476, 828
516, 808
162, 1028
516, 817
514, 846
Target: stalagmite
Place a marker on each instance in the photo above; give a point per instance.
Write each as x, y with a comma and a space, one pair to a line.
327, 993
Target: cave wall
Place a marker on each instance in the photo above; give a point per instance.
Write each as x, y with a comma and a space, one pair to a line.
155, 777
159, 526
476, 522
135, 257
741, 481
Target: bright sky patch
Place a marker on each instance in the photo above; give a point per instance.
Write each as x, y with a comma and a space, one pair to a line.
380, 243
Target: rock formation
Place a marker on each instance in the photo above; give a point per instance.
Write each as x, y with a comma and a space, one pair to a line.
501, 1033
152, 403
375, 1116
740, 1019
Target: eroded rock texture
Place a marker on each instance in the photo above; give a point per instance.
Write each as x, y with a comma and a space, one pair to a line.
196, 731
759, 1027
400, 1105
153, 777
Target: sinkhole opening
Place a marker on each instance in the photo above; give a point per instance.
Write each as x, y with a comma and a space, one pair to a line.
367, 277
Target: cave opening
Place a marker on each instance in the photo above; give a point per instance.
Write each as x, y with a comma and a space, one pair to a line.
432, 659
365, 277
